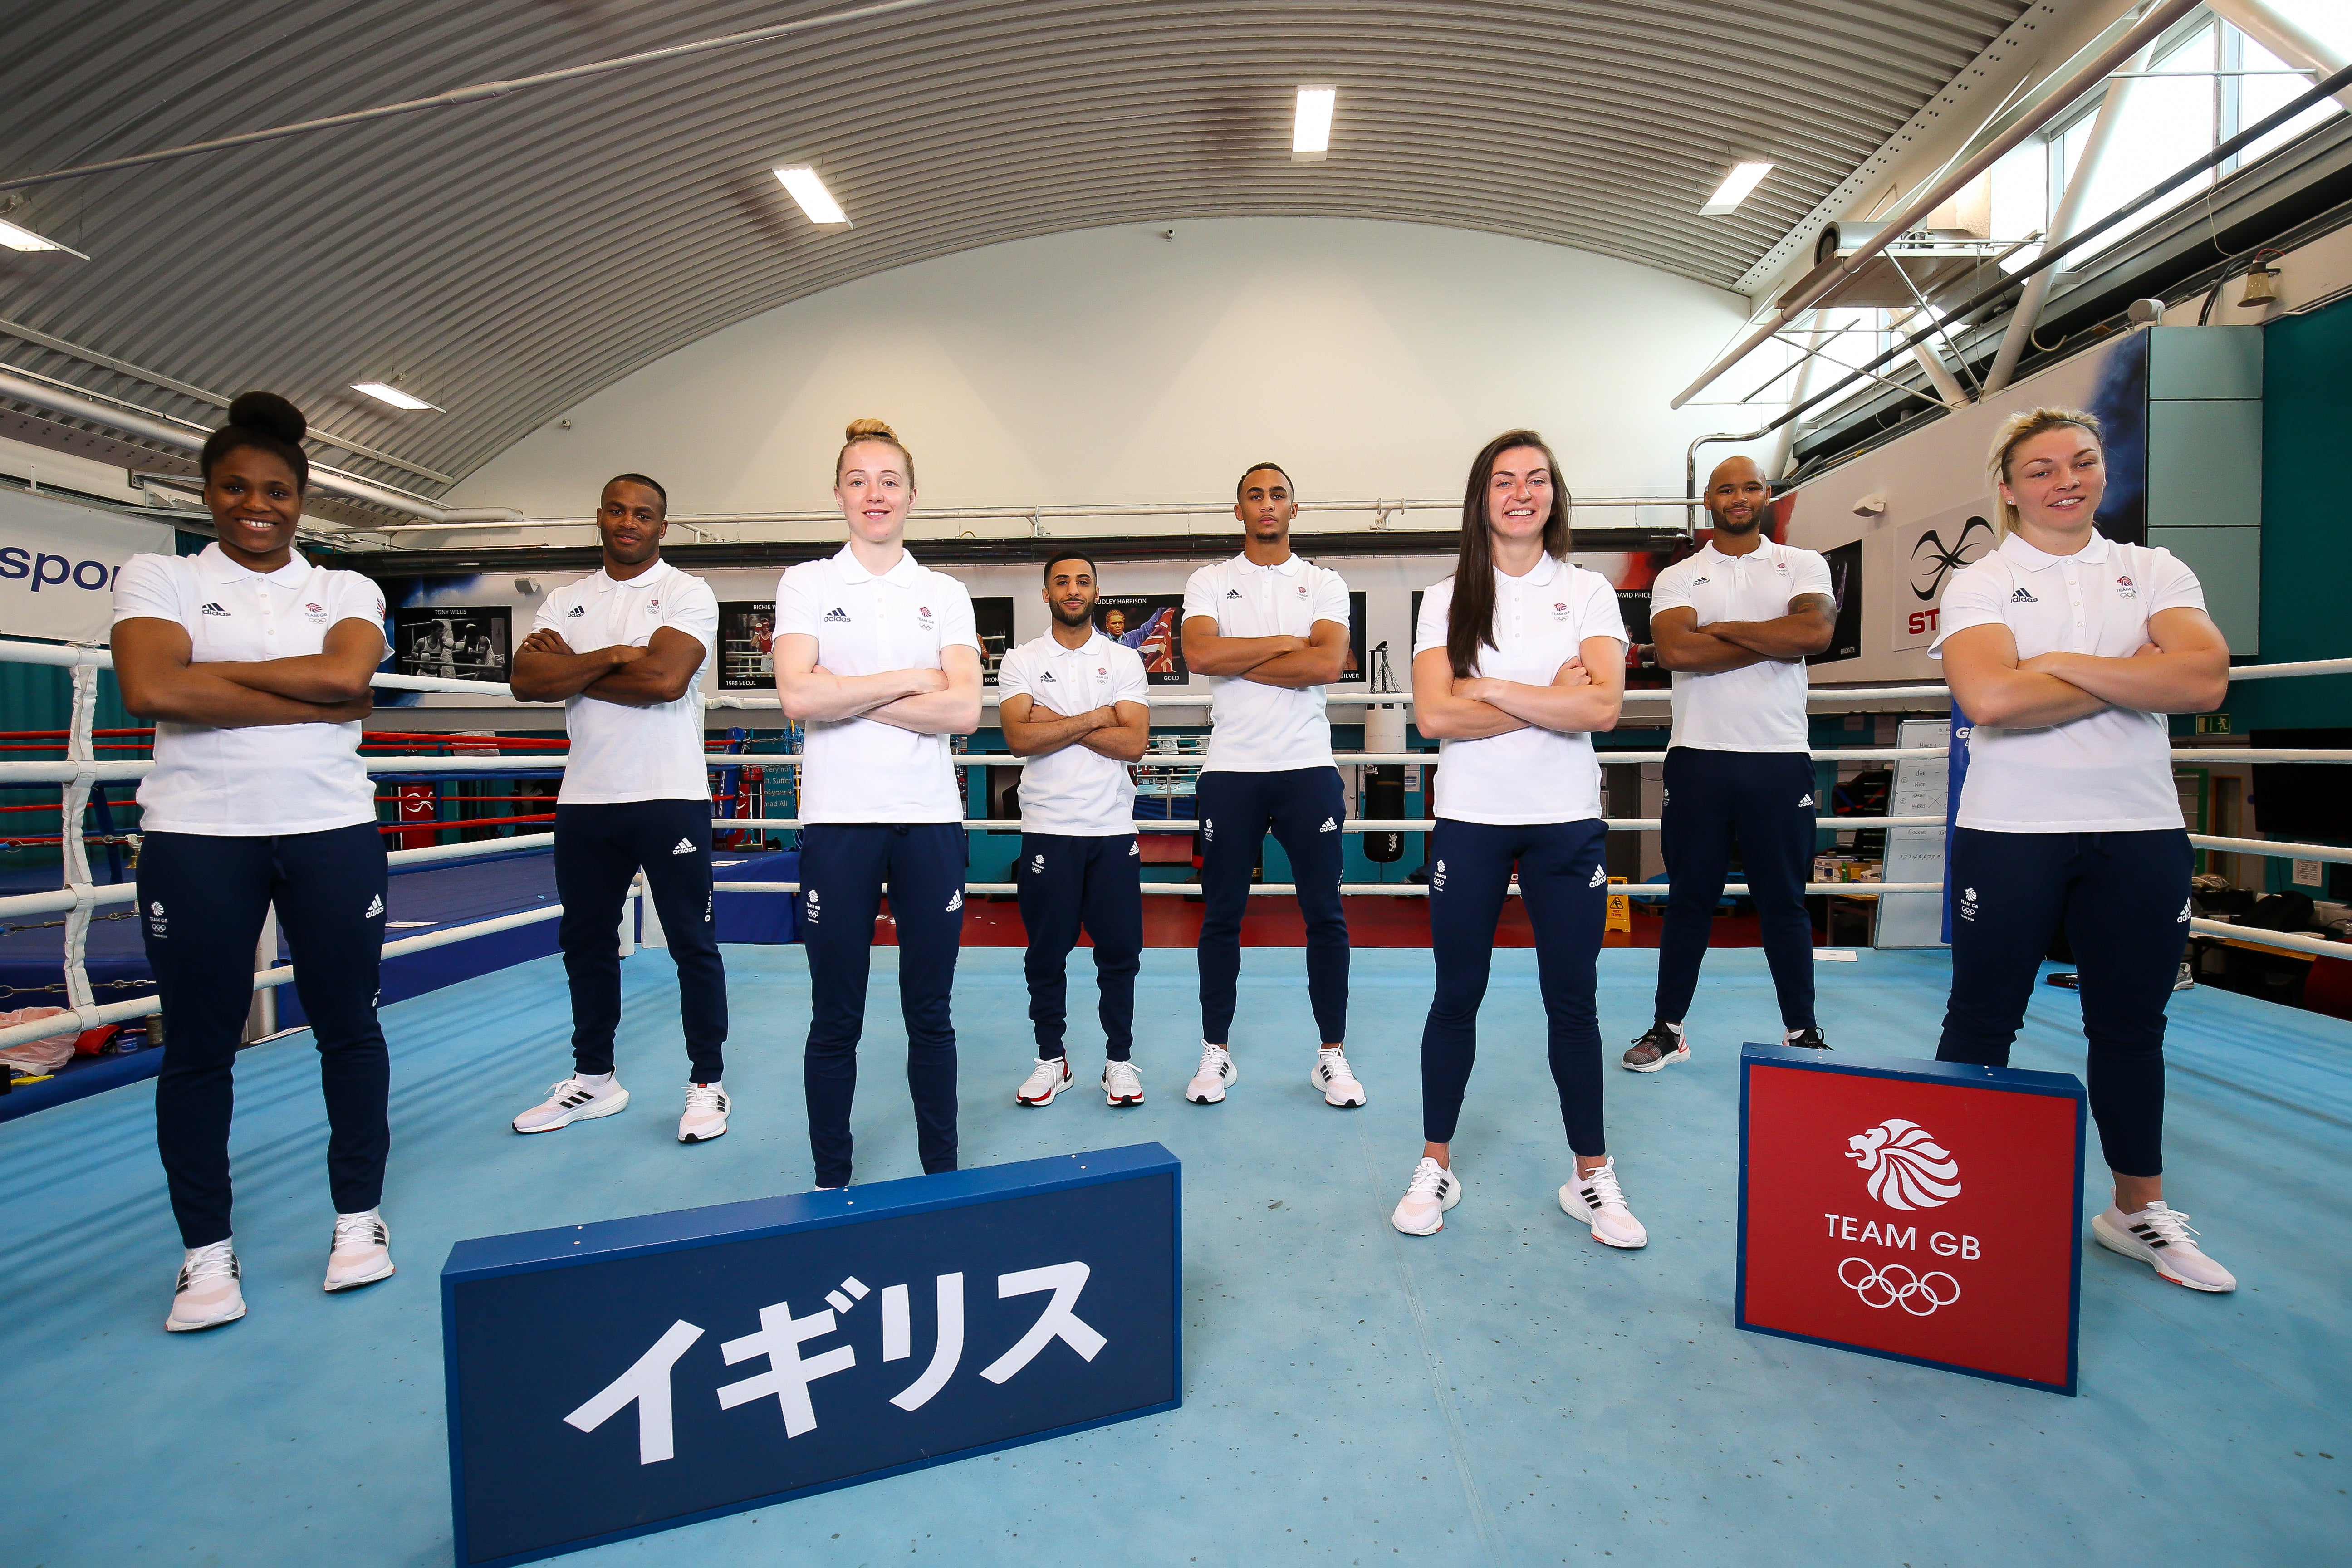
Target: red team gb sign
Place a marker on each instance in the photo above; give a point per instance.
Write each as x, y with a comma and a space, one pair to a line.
1917, 1210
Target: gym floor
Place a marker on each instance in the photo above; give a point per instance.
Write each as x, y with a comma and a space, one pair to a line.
1507, 1392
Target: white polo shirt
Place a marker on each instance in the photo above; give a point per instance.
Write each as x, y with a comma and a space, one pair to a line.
1762, 706
1527, 775
267, 779
862, 770
2109, 772
620, 752
1075, 792
1254, 727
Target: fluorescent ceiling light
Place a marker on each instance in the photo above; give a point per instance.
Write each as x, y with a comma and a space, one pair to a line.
384, 392
17, 239
1310, 132
815, 201
1743, 178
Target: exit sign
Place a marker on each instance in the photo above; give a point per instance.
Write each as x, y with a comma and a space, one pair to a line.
2212, 723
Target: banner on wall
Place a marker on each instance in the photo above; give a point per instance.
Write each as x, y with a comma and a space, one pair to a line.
1845, 585
747, 636
1926, 555
453, 642
992, 622
57, 564
1148, 623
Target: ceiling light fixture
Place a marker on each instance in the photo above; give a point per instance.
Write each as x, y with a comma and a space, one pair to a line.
1310, 132
19, 239
384, 392
817, 201
1743, 178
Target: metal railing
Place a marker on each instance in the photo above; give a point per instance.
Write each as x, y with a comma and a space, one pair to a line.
81, 769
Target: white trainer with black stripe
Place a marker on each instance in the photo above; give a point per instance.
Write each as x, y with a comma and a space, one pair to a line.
583, 1097
1433, 1190
1595, 1198
1048, 1077
207, 1294
1122, 1083
705, 1116
1332, 1076
1215, 1075
362, 1252
2160, 1235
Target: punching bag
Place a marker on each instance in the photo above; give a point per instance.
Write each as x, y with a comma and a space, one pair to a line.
1384, 785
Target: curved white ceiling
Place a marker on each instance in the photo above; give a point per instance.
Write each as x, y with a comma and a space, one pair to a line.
506, 258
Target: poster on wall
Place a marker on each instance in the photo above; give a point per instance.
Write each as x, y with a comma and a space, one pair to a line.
1924, 555
992, 621
1845, 587
1147, 624
747, 636
453, 642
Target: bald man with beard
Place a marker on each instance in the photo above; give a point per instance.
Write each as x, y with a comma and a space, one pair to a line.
1734, 623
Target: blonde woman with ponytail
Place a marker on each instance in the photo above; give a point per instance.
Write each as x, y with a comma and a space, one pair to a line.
2065, 651
876, 656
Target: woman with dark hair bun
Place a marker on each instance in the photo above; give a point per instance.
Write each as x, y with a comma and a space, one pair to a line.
1519, 659
254, 665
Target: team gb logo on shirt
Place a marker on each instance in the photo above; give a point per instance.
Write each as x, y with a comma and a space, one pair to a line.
2124, 588
1558, 611
923, 617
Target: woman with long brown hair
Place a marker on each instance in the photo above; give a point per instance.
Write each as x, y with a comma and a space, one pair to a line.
1518, 660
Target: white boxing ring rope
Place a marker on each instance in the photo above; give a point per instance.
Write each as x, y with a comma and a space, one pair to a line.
81, 769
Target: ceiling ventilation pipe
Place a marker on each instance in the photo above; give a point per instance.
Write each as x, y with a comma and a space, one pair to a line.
147, 428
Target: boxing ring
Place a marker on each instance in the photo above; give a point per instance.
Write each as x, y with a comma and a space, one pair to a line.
1504, 1393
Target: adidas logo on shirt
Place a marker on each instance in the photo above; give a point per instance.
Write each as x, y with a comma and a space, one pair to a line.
375, 907
1233, 593
837, 614
575, 611
956, 902
1699, 582
1328, 826
685, 846
2022, 597
213, 609
1600, 878
1047, 676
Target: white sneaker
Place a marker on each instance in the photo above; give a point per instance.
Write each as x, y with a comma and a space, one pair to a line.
362, 1253
2160, 1234
1597, 1200
207, 1294
1049, 1076
1433, 1190
706, 1113
1216, 1075
1122, 1083
1331, 1076
574, 1099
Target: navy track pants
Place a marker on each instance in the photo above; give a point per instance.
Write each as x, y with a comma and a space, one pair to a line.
842, 869
1066, 883
1566, 893
598, 850
201, 901
2122, 899
1764, 801
1303, 808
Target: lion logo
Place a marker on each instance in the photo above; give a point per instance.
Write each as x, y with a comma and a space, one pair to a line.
1907, 1168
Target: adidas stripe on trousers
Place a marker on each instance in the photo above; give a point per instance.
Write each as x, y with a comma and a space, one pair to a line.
599, 849
843, 868
1567, 896
202, 900
1236, 811
2122, 899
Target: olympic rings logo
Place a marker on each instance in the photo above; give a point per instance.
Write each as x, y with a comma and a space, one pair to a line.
1917, 1293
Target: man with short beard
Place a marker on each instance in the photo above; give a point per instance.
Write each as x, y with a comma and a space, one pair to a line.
1073, 704
1734, 623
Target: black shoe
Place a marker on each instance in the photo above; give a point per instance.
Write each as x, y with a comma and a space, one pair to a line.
1810, 1039
1662, 1047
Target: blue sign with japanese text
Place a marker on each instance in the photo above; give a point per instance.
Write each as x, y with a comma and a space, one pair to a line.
612, 1379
